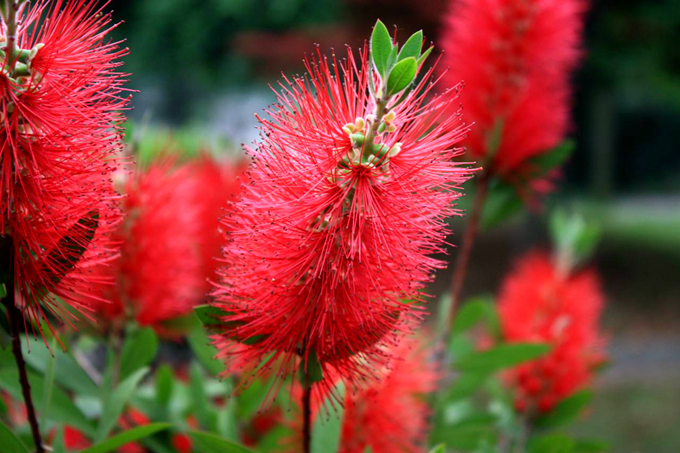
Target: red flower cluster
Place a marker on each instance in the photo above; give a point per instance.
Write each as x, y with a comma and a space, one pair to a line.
392, 415
170, 239
515, 58
539, 304
60, 107
328, 253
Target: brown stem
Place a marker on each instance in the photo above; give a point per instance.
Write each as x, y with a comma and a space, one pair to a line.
307, 416
14, 317
463, 259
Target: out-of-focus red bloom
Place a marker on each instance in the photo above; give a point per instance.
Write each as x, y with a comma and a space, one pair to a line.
182, 443
60, 108
170, 239
537, 303
515, 58
329, 255
391, 415
260, 425
74, 439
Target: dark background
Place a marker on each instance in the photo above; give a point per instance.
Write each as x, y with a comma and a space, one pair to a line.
203, 69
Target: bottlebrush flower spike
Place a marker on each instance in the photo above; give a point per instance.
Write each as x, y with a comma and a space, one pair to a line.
60, 107
515, 58
170, 238
392, 415
385, 416
539, 303
328, 249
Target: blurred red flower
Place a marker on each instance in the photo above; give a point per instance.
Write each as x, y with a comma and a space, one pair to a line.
539, 304
515, 58
170, 239
328, 255
60, 105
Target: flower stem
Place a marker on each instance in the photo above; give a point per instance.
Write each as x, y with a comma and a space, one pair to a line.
10, 18
307, 416
14, 318
463, 259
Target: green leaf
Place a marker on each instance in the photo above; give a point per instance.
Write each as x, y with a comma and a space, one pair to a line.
441, 448
63, 258
326, 431
58, 442
209, 315
502, 356
553, 443
10, 443
310, 369
466, 385
401, 75
470, 314
49, 385
165, 381
205, 352
138, 351
61, 407
566, 411
591, 446
131, 435
381, 47
502, 203
210, 443
555, 157
412, 46
206, 418
115, 403
424, 56
67, 372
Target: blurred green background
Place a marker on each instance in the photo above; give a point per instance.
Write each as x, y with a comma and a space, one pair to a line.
203, 68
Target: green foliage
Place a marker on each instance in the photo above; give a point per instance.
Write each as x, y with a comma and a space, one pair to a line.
10, 442
131, 435
116, 401
566, 411
209, 443
381, 48
401, 76
327, 430
139, 350
502, 356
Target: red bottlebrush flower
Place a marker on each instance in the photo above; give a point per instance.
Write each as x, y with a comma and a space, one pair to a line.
391, 415
327, 253
74, 439
60, 105
515, 58
537, 303
182, 443
170, 239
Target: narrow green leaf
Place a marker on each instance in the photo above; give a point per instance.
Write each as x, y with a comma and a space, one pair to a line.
381, 47
67, 371
466, 385
165, 381
58, 442
210, 443
65, 255
502, 203
326, 432
209, 315
412, 46
566, 411
553, 443
401, 75
115, 403
49, 385
9, 442
441, 448
502, 356
205, 352
125, 437
206, 418
61, 407
555, 157
310, 369
470, 314
138, 351
424, 56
